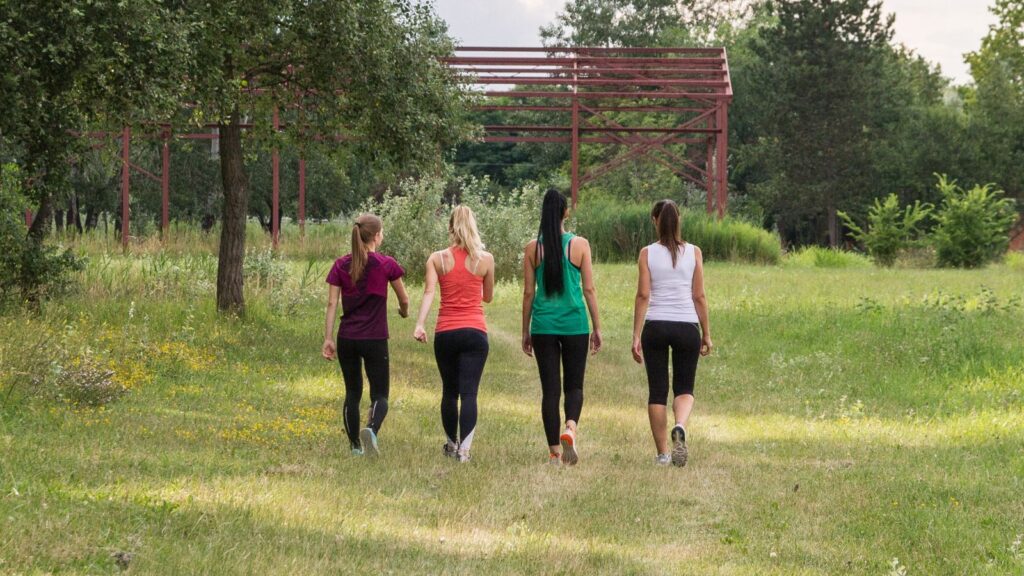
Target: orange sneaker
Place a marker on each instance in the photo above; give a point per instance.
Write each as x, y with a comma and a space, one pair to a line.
568, 442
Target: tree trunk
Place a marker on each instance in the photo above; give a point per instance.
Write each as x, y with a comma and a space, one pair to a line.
833, 226
58, 220
92, 218
230, 297
41, 222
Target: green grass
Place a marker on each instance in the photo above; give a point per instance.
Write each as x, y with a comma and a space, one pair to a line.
848, 417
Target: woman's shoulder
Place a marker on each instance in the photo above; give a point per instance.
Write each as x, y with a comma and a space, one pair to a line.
343, 262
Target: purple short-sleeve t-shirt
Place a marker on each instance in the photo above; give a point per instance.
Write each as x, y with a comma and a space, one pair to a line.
364, 304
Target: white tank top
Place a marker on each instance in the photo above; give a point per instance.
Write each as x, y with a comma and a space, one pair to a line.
671, 288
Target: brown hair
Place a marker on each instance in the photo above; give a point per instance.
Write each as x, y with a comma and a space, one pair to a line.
363, 230
666, 221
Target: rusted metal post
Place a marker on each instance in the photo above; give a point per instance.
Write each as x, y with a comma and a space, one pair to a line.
709, 178
28, 218
275, 163
575, 134
165, 185
722, 171
302, 197
126, 136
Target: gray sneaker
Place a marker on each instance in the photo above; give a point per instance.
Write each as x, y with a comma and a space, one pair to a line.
663, 459
368, 439
450, 450
679, 452
462, 456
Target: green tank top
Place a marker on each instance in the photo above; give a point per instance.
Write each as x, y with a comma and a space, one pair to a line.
563, 314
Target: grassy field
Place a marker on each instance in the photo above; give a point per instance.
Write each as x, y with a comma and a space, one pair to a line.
851, 421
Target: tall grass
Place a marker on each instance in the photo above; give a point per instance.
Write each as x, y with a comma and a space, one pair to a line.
618, 231
818, 257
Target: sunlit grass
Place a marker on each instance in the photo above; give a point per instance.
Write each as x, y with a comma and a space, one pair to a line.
847, 418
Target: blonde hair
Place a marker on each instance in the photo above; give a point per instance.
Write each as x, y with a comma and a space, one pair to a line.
462, 231
364, 229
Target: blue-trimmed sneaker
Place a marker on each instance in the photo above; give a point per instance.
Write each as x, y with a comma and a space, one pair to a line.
368, 439
679, 452
357, 451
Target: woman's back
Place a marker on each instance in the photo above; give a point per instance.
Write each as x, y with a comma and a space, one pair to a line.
671, 286
565, 312
461, 294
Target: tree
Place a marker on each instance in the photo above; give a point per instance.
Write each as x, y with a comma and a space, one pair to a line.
611, 23
821, 76
72, 64
364, 69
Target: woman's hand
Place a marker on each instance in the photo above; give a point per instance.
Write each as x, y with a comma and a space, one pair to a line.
705, 345
403, 309
420, 334
329, 351
595, 342
528, 344
638, 351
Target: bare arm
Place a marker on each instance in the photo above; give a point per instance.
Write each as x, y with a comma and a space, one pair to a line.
403, 298
429, 284
489, 278
700, 302
590, 295
643, 300
329, 349
529, 290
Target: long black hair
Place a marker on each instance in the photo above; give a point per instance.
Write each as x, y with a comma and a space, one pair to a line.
552, 213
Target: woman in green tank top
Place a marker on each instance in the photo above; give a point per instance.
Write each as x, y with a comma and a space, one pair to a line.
558, 289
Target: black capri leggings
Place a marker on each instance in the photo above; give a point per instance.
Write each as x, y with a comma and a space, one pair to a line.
461, 355
684, 340
353, 355
571, 352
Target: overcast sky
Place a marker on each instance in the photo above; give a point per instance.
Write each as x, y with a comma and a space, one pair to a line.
940, 30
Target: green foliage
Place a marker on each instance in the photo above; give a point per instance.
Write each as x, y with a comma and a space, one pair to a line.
611, 23
889, 229
30, 270
1015, 261
618, 231
973, 225
819, 257
416, 215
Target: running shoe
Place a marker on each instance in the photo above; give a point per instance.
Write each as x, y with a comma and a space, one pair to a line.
663, 459
450, 450
569, 454
679, 452
554, 458
462, 456
357, 451
368, 438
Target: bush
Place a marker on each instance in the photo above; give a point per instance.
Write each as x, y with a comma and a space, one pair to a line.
818, 257
1015, 260
889, 229
29, 270
416, 221
618, 231
973, 225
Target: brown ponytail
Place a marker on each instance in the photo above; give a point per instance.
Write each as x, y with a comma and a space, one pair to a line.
363, 230
666, 220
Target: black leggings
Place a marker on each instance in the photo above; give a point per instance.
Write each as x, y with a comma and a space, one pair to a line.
684, 339
353, 355
460, 355
571, 352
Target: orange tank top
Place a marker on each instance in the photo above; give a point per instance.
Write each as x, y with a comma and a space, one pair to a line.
462, 294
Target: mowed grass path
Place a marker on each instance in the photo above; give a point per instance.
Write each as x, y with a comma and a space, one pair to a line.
846, 419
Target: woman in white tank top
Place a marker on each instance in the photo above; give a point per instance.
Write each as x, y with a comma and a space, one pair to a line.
671, 314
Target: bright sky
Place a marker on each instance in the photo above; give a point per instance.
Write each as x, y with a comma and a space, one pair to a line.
940, 30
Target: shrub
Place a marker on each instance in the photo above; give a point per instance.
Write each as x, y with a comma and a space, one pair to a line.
818, 257
973, 225
416, 221
889, 230
618, 231
1015, 260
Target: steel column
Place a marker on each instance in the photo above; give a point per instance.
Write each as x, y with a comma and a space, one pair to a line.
302, 197
28, 218
709, 179
575, 142
275, 162
126, 136
165, 186
721, 173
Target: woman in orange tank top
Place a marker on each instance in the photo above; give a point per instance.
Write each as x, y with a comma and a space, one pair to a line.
466, 275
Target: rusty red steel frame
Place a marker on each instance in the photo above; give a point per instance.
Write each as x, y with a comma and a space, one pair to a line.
586, 95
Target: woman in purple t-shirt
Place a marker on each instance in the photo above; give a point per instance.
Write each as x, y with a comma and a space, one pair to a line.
360, 280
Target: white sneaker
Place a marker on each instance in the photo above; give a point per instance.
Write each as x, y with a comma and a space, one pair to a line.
663, 459
569, 454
